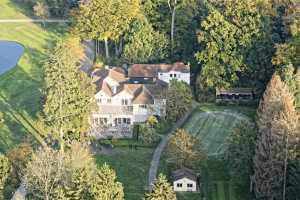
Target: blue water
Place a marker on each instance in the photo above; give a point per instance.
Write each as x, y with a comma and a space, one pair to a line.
10, 53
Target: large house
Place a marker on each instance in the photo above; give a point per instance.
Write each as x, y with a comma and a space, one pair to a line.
126, 98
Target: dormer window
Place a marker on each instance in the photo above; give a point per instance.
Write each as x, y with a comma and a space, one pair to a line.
114, 89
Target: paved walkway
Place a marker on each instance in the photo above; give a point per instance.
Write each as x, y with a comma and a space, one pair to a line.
159, 149
88, 60
20, 194
33, 20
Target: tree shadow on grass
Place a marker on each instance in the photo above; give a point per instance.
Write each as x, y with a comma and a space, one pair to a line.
11, 132
22, 7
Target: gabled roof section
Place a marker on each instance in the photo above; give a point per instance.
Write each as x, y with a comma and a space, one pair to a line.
144, 97
118, 74
184, 173
152, 70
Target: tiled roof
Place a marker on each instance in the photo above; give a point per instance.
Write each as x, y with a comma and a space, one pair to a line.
144, 97
142, 93
151, 70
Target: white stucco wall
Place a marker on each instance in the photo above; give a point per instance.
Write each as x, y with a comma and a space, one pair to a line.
184, 188
165, 76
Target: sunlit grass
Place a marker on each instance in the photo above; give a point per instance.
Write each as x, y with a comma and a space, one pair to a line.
21, 87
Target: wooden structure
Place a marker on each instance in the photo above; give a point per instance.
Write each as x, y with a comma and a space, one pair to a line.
235, 94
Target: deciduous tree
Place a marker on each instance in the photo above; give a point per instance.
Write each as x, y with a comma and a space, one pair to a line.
144, 44
105, 19
239, 153
226, 33
185, 150
179, 100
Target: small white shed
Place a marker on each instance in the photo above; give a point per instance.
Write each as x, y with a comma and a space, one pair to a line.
184, 180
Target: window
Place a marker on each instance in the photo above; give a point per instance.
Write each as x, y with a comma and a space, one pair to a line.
99, 100
179, 185
171, 75
174, 75
143, 106
124, 101
189, 185
108, 100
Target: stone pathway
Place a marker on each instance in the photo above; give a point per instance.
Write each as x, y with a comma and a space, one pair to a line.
159, 149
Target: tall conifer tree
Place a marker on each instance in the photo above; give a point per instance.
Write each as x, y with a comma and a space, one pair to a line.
69, 94
278, 123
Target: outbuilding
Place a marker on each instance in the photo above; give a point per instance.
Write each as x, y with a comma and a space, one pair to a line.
184, 180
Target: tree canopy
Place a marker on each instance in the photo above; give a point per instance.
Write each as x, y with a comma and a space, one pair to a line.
69, 93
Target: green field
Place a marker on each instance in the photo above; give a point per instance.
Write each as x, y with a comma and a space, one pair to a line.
131, 167
20, 88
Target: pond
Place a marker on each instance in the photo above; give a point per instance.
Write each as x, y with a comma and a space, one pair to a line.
10, 53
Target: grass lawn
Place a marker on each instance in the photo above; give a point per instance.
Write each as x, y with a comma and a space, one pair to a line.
11, 9
212, 129
131, 167
20, 88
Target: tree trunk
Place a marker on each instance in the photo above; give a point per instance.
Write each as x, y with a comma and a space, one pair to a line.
96, 47
172, 30
285, 166
116, 49
106, 48
120, 46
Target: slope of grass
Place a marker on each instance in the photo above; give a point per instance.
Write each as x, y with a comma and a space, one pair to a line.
12, 9
20, 88
212, 129
131, 167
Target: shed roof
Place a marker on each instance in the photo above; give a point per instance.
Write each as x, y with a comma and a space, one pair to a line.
184, 173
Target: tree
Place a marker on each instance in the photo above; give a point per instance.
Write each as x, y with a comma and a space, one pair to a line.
226, 33
105, 185
41, 10
44, 172
148, 134
69, 94
144, 44
185, 150
179, 100
5, 168
52, 174
162, 190
239, 153
278, 124
18, 157
59, 8
105, 19
174, 6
